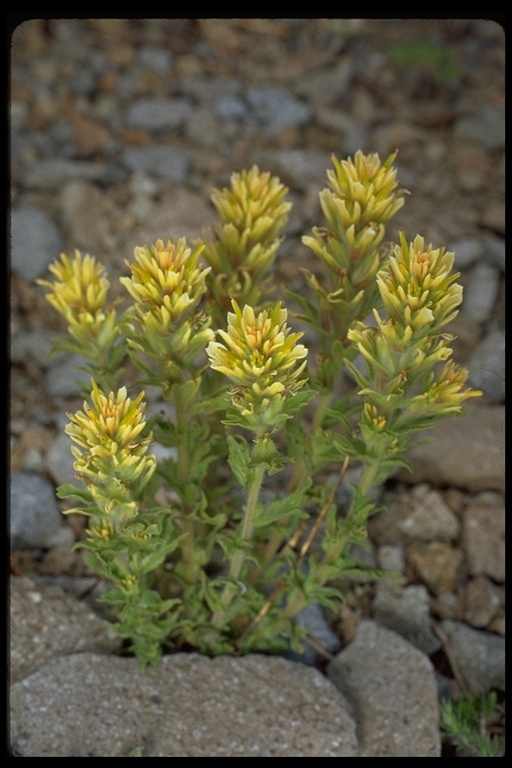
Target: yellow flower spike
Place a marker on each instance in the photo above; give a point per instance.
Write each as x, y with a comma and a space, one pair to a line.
129, 582
371, 415
253, 195
367, 188
108, 444
261, 357
252, 212
165, 323
447, 393
80, 290
102, 530
360, 198
166, 275
417, 285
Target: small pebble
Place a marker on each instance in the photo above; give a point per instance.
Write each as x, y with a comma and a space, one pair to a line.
487, 366
36, 241
158, 114
480, 295
35, 519
172, 164
276, 107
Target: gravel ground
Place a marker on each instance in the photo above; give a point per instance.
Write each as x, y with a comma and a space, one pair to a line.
119, 131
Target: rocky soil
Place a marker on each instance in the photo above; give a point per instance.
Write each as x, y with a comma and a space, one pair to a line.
119, 131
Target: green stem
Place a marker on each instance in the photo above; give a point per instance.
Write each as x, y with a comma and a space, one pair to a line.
239, 556
275, 541
183, 464
300, 467
367, 481
248, 520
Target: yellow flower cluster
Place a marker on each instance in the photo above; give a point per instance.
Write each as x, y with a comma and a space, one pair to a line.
421, 296
361, 198
260, 357
252, 212
367, 189
417, 286
166, 280
254, 204
446, 393
110, 454
79, 292
165, 322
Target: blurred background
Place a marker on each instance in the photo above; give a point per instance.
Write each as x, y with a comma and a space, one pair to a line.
121, 128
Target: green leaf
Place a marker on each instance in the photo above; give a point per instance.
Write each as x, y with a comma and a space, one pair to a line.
151, 601
232, 543
312, 314
351, 447
114, 597
211, 404
149, 562
290, 504
239, 459
69, 491
337, 414
298, 401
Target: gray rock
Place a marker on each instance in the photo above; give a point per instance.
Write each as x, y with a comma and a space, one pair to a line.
394, 133
353, 134
84, 209
300, 168
158, 59
482, 600
202, 129
35, 241
467, 252
178, 213
275, 107
481, 292
487, 366
392, 688
494, 249
431, 518
329, 85
206, 90
313, 618
483, 537
479, 657
447, 605
83, 588
407, 612
167, 162
35, 520
437, 565
33, 460
188, 706
486, 126
158, 114
46, 622
463, 452
18, 113
52, 173
65, 379
59, 460
391, 557
62, 135
143, 186
35, 345
230, 106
